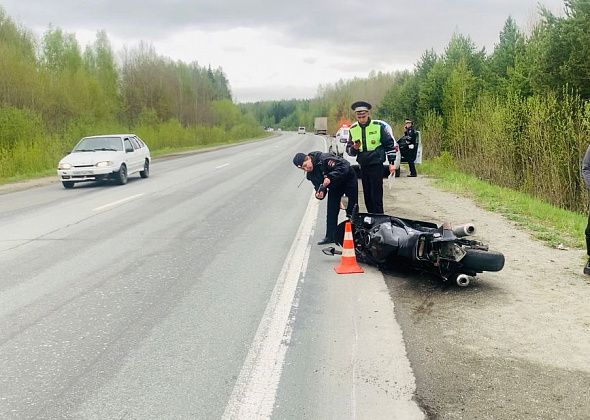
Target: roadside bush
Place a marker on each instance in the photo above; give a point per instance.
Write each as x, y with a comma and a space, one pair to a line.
431, 133
26, 149
534, 145
18, 126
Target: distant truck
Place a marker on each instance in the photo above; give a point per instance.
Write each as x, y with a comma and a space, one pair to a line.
320, 125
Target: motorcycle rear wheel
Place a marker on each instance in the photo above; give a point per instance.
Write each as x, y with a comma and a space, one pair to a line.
479, 260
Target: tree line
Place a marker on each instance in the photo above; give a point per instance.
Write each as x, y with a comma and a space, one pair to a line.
518, 116
52, 93
332, 100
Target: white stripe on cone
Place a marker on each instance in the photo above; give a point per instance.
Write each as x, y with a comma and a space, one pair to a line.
348, 252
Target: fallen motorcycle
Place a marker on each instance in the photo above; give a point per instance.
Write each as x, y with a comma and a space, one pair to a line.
380, 239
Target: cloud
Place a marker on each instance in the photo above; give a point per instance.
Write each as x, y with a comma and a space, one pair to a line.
273, 92
286, 44
384, 24
233, 49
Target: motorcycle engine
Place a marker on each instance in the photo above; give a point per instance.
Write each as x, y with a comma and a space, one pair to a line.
451, 251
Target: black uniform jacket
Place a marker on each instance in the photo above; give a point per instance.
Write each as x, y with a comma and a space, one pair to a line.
411, 135
328, 165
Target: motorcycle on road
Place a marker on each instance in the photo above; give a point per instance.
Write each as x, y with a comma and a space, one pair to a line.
444, 251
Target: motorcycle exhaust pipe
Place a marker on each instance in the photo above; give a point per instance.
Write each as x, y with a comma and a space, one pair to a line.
463, 280
464, 230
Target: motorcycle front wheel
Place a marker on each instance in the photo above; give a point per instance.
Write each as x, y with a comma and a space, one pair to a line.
479, 260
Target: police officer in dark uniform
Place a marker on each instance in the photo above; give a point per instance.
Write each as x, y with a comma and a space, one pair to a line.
370, 142
334, 174
409, 146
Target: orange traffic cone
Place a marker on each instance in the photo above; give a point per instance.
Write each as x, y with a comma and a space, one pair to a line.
348, 263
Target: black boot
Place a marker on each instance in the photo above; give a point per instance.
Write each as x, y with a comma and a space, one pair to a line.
587, 267
326, 240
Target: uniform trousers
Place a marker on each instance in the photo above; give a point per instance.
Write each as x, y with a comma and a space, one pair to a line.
348, 187
372, 179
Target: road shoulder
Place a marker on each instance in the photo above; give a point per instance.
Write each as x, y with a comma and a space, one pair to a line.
515, 344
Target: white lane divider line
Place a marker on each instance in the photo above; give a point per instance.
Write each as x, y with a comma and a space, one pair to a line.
254, 393
222, 166
133, 197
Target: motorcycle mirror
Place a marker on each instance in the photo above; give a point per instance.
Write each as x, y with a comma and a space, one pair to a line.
331, 251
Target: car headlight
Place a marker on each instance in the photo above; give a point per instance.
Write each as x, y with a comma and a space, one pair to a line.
104, 164
64, 166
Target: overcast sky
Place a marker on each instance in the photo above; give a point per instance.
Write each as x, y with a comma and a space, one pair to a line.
272, 49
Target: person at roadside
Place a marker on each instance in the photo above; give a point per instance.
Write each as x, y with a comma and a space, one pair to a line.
409, 147
371, 143
395, 145
586, 177
328, 172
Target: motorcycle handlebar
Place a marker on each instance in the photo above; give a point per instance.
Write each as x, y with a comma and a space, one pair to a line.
323, 189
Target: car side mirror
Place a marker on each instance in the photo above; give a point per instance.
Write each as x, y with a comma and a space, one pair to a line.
128, 149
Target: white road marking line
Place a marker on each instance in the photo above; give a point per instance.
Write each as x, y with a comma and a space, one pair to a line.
354, 363
117, 202
255, 390
222, 166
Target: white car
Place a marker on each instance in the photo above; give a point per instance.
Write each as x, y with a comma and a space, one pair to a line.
97, 158
398, 156
301, 130
338, 142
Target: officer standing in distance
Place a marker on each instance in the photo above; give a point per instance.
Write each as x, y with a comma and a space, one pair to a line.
411, 149
334, 174
371, 143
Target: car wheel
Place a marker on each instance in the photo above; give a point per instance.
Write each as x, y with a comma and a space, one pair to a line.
68, 184
122, 175
398, 172
146, 169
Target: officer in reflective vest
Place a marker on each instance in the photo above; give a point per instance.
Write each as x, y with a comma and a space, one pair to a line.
371, 143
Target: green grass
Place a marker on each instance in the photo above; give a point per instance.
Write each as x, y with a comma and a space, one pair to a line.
543, 221
29, 176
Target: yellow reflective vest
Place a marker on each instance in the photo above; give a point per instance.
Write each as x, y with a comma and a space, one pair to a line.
372, 136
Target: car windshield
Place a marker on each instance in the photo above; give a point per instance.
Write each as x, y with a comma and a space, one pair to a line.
91, 144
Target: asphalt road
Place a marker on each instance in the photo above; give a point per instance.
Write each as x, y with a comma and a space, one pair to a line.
200, 293
197, 293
